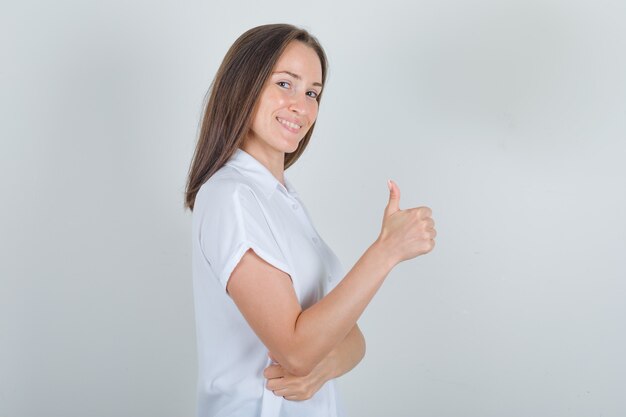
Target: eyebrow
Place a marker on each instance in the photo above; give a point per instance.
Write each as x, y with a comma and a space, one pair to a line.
296, 76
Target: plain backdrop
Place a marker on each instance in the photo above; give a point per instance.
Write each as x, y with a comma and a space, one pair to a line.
507, 118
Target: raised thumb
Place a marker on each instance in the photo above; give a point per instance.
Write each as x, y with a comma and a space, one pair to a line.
394, 198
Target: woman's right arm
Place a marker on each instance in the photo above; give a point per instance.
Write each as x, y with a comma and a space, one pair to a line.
298, 339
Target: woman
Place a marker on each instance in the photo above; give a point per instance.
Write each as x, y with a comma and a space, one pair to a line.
275, 312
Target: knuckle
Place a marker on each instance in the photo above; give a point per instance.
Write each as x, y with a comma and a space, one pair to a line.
426, 246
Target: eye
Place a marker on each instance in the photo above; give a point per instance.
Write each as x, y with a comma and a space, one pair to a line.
314, 94
282, 82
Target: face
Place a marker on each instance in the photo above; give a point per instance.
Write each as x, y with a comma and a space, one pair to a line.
288, 103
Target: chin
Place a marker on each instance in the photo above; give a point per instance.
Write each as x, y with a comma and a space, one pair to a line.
291, 147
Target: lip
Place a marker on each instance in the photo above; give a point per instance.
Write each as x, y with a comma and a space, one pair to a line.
292, 130
294, 121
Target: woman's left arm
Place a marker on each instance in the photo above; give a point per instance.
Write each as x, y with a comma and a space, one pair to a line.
342, 359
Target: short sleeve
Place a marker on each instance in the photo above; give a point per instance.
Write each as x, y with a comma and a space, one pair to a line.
335, 268
234, 221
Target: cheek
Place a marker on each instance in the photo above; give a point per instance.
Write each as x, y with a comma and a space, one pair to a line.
270, 102
313, 109
278, 99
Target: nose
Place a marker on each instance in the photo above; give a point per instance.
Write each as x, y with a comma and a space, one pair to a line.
298, 104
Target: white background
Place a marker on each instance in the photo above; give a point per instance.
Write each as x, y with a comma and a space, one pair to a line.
507, 118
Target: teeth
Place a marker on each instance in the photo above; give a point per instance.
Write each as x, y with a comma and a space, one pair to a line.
286, 123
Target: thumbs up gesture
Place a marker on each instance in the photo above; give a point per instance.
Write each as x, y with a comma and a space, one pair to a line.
406, 233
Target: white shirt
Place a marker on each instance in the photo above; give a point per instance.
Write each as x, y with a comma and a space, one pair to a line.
244, 206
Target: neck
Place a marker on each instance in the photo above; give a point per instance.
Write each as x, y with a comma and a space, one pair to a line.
272, 159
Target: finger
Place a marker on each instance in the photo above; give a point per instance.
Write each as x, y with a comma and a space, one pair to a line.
393, 204
275, 384
281, 392
427, 223
424, 212
274, 371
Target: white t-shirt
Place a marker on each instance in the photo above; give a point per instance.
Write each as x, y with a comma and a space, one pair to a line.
244, 206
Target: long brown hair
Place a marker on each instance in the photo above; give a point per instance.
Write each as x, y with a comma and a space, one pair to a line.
233, 97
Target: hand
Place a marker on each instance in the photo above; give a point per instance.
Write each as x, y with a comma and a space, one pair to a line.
406, 233
291, 387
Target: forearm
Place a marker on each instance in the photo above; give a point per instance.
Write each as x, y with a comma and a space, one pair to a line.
323, 326
344, 357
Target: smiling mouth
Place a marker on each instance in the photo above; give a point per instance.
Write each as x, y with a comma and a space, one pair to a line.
290, 126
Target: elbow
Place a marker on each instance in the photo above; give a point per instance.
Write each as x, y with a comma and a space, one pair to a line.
298, 357
363, 347
298, 366
297, 362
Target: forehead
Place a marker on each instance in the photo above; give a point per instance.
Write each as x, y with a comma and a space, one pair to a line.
300, 59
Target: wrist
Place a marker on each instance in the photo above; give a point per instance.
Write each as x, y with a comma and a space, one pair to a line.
383, 254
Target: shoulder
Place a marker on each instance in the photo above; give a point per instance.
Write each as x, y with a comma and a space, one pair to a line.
225, 189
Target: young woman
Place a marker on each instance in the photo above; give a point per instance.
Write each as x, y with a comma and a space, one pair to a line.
276, 314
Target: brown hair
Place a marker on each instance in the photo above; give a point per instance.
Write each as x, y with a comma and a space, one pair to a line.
233, 96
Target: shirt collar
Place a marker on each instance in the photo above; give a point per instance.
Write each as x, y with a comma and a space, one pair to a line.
251, 167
